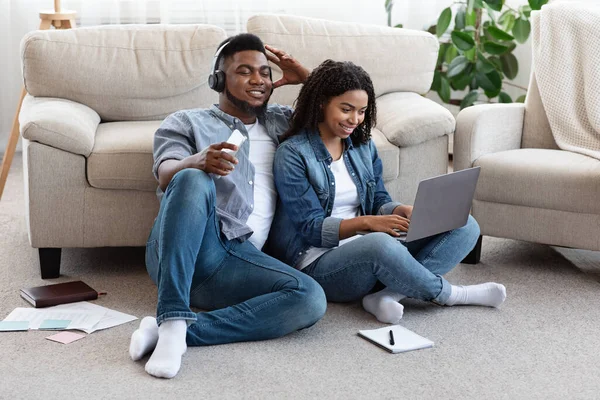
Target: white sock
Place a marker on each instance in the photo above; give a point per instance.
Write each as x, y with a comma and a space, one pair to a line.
384, 306
143, 340
487, 294
166, 357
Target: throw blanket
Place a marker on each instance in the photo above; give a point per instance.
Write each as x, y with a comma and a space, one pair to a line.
566, 59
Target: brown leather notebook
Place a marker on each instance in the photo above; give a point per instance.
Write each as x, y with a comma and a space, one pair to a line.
60, 293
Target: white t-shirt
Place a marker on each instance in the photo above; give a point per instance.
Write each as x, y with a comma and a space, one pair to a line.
346, 205
262, 153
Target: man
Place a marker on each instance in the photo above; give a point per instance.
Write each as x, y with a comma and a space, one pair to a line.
215, 215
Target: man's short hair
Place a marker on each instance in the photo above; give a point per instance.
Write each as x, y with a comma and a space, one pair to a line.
237, 43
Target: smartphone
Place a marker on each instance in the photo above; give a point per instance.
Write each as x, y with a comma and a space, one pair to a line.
236, 138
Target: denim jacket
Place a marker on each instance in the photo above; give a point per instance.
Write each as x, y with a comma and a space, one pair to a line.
306, 188
190, 131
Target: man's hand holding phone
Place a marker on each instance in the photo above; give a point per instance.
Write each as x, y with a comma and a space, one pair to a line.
219, 158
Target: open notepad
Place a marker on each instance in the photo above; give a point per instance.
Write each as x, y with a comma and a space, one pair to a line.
404, 340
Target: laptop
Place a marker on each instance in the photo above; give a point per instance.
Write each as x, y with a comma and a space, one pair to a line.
442, 203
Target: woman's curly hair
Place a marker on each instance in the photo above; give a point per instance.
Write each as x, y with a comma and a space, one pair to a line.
331, 79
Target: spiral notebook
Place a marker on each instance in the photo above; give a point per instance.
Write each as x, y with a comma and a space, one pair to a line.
402, 339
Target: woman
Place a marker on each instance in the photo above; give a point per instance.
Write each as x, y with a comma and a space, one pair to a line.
329, 179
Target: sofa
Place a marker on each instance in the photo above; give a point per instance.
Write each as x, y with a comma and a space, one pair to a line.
96, 95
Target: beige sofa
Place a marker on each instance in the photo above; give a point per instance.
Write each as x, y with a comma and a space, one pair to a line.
97, 95
528, 188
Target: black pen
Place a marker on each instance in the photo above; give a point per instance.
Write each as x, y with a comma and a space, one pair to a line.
392, 338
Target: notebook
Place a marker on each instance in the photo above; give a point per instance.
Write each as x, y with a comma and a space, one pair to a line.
60, 293
403, 339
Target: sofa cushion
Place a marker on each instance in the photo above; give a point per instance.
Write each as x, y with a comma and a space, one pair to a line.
407, 119
124, 72
122, 156
541, 178
389, 155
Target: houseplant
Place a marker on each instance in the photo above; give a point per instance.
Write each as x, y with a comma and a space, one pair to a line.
477, 54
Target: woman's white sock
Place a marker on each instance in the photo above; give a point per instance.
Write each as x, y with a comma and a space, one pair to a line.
488, 294
384, 306
144, 339
166, 357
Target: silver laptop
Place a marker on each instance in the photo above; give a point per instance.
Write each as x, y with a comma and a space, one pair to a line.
442, 203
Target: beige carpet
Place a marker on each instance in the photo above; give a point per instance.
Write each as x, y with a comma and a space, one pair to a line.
542, 343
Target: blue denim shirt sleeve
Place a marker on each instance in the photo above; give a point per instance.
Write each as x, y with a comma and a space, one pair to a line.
300, 200
382, 203
174, 140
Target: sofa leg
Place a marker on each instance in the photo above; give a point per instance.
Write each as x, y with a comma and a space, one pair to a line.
475, 255
49, 262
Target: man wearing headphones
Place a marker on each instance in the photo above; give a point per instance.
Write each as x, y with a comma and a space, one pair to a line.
215, 214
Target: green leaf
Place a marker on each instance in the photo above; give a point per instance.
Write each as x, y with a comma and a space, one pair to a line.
444, 91
432, 29
470, 18
457, 66
451, 54
461, 81
536, 4
441, 54
510, 65
496, 61
443, 21
437, 81
398, 26
504, 98
491, 94
508, 21
469, 99
459, 20
494, 48
470, 54
520, 99
490, 82
521, 30
495, 5
462, 40
470, 5
525, 10
499, 34
483, 64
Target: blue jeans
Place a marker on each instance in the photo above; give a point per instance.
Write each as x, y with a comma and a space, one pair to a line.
413, 269
250, 295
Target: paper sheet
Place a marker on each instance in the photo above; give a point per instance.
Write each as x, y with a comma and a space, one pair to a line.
84, 316
80, 320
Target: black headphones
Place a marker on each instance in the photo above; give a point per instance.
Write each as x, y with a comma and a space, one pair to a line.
216, 79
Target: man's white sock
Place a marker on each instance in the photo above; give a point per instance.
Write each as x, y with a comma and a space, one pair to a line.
144, 339
384, 306
166, 357
486, 294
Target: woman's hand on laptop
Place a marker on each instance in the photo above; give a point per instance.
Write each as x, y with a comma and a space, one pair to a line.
391, 224
403, 211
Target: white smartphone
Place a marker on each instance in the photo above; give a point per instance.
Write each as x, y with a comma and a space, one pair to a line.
236, 138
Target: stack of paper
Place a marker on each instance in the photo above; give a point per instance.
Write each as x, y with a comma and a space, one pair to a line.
83, 316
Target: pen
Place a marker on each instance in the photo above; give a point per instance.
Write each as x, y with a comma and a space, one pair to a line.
392, 338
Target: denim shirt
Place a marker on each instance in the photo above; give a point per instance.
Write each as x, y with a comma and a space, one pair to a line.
306, 187
187, 132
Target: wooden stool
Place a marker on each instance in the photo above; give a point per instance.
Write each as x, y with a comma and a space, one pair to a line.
60, 19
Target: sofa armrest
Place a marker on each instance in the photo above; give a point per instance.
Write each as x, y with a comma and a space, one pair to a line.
59, 123
485, 129
407, 119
